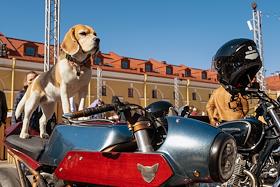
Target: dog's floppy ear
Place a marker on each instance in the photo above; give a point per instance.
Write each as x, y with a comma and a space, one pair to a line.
70, 44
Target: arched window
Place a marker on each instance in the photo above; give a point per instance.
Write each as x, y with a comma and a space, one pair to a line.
148, 67
188, 72
103, 90
125, 64
97, 61
130, 92
29, 51
3, 49
154, 93
204, 75
169, 70
193, 96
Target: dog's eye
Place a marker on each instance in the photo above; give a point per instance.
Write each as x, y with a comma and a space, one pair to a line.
83, 33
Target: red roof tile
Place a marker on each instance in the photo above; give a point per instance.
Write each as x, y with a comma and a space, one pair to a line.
273, 82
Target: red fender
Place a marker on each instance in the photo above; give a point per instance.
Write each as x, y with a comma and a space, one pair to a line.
114, 169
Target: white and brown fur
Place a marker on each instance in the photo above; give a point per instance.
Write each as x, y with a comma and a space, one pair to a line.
63, 80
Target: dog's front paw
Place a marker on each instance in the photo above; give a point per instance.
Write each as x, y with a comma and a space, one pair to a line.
44, 135
24, 135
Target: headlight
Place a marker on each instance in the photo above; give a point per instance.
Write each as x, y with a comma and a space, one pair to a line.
222, 157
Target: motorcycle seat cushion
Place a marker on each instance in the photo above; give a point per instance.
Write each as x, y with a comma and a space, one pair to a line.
32, 147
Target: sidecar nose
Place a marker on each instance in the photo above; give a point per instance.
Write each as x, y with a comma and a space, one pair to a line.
198, 151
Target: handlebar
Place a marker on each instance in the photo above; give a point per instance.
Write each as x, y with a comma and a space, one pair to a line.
90, 111
261, 95
118, 107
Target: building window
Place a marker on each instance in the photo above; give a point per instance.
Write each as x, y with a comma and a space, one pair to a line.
29, 51
148, 67
193, 96
188, 73
204, 75
97, 61
130, 92
103, 90
154, 94
125, 64
3, 49
169, 70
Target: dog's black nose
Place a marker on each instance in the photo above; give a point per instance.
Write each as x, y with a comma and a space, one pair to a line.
97, 40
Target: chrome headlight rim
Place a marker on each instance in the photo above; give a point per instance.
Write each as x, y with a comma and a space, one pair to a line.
221, 164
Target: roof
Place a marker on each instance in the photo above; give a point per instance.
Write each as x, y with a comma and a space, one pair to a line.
112, 62
273, 82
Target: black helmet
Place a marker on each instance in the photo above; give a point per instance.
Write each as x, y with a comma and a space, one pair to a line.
237, 62
159, 108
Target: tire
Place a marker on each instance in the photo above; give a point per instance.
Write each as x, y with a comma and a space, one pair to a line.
9, 177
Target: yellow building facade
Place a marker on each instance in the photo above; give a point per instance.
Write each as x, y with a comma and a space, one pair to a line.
134, 80
141, 89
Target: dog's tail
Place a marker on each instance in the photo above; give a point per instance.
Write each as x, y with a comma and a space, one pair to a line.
20, 106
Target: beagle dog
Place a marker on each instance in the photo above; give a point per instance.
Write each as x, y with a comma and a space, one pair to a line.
70, 75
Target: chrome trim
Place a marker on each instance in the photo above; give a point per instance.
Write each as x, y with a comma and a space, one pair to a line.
251, 176
249, 131
253, 147
274, 116
143, 141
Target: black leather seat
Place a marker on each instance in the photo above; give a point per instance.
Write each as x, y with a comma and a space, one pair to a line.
32, 147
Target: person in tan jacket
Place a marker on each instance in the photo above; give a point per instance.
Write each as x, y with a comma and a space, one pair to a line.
222, 107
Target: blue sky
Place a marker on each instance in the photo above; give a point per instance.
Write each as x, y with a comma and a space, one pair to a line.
177, 31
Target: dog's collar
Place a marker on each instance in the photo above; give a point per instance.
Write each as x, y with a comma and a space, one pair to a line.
72, 59
77, 64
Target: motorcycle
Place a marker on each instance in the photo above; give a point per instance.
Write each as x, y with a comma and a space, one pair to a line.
141, 151
258, 158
